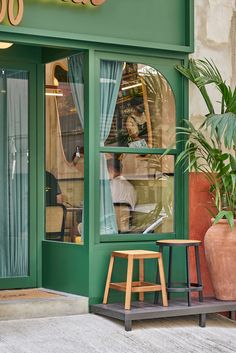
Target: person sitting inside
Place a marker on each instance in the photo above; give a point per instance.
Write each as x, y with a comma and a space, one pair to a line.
136, 125
123, 194
53, 191
122, 190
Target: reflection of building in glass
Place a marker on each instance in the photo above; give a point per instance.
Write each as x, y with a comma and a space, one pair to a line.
146, 96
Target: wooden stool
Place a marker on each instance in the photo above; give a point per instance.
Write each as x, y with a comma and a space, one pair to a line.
188, 286
140, 286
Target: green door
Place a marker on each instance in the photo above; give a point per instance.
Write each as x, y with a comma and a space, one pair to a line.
17, 167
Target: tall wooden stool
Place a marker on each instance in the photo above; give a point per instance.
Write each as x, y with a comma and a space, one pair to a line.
186, 286
140, 286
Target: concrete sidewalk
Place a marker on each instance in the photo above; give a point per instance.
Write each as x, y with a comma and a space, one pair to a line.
94, 334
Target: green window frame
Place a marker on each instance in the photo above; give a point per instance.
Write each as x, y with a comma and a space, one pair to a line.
165, 65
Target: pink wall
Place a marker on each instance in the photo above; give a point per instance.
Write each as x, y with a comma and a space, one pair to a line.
199, 222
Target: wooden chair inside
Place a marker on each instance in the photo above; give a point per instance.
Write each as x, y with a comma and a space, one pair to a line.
55, 222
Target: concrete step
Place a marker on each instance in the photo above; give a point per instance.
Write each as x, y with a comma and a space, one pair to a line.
40, 302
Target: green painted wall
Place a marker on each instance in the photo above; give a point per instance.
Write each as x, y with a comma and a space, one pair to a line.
65, 267
115, 19
114, 22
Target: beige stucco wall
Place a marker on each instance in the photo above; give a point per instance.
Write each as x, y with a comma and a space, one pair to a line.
215, 38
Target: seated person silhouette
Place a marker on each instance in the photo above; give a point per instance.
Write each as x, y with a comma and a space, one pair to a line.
123, 194
53, 191
136, 125
122, 190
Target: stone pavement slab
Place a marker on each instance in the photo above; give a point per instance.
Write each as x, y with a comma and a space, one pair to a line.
94, 334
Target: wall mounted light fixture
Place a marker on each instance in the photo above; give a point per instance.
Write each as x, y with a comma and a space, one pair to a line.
5, 45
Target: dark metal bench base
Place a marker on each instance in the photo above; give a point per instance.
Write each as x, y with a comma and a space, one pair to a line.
145, 310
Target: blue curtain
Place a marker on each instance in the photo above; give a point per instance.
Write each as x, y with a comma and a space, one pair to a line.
110, 78
76, 79
14, 173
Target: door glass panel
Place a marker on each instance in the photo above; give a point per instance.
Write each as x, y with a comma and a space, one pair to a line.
65, 149
14, 167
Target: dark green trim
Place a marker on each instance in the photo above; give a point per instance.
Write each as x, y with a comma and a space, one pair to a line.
189, 31
38, 36
136, 150
136, 237
53, 54
88, 147
96, 148
164, 66
32, 174
186, 175
190, 20
40, 169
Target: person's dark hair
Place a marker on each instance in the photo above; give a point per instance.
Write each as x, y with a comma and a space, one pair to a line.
137, 103
115, 164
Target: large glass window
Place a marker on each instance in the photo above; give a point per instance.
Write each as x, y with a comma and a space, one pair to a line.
137, 186
64, 178
144, 111
14, 166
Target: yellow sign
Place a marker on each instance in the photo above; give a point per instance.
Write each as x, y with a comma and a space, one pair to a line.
15, 16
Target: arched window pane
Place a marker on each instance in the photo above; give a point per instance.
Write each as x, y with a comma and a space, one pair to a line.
145, 110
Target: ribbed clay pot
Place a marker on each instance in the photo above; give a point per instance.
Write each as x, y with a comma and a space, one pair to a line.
220, 251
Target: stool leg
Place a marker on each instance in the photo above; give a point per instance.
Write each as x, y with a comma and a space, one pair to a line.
156, 297
163, 281
109, 274
169, 285
202, 320
199, 279
232, 315
188, 276
129, 282
141, 277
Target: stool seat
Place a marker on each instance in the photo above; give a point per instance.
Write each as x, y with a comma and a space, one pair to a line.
178, 242
187, 286
137, 254
140, 286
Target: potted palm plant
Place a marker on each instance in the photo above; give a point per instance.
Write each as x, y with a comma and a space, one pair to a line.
214, 155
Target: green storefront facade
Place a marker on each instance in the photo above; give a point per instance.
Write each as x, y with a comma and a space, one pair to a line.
157, 33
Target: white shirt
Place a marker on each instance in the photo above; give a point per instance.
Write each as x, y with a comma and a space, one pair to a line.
123, 191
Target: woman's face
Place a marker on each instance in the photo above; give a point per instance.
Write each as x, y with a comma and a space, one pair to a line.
132, 127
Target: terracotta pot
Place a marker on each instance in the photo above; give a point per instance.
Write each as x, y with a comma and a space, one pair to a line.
220, 251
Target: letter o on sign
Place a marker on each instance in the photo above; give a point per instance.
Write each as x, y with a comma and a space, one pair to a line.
14, 19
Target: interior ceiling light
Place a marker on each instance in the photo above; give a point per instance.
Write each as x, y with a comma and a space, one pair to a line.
52, 90
56, 94
132, 86
5, 45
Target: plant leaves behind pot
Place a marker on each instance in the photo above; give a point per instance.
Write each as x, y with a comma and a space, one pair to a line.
225, 214
233, 163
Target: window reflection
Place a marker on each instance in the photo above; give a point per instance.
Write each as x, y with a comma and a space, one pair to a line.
64, 179
71, 127
141, 198
145, 109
